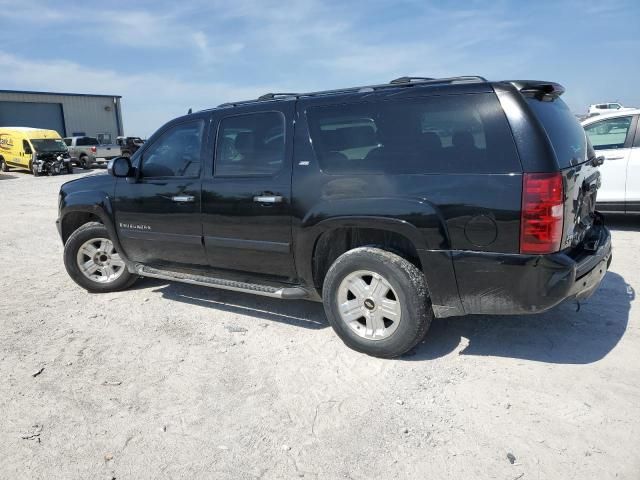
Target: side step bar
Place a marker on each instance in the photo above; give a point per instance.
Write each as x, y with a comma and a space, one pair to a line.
289, 293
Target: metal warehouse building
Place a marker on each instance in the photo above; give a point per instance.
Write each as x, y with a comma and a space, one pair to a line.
69, 114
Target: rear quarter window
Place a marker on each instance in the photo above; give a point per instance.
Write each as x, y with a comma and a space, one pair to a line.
565, 133
444, 134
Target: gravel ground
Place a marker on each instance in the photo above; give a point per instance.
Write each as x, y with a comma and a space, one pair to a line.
178, 381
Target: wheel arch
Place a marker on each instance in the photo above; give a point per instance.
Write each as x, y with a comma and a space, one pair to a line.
82, 207
319, 246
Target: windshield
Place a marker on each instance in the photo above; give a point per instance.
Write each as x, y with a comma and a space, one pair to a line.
49, 145
565, 132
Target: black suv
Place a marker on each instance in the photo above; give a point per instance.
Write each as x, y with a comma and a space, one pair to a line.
389, 203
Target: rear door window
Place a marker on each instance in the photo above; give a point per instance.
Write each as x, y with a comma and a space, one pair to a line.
445, 134
564, 131
250, 144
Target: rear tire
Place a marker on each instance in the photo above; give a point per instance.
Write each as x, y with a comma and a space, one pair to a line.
92, 261
3, 165
377, 302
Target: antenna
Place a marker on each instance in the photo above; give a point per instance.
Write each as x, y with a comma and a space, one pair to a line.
190, 111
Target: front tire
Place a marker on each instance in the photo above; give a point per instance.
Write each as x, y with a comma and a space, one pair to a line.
92, 261
377, 302
84, 163
3, 165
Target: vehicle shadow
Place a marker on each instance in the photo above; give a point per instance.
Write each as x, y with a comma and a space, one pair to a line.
622, 222
561, 335
5, 176
299, 313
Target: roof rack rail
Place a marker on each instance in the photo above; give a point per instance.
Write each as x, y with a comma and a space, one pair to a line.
463, 78
272, 96
409, 79
396, 83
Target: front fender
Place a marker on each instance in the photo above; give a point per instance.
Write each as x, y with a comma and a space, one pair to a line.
92, 202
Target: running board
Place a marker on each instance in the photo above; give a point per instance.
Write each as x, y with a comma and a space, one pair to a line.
289, 293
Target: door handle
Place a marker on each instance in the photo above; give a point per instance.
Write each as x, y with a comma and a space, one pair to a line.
183, 198
614, 158
268, 199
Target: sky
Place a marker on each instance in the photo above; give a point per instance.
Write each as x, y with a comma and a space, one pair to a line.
165, 57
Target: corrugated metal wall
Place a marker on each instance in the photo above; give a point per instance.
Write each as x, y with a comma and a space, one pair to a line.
90, 114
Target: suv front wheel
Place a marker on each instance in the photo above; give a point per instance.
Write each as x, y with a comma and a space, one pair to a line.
377, 302
93, 262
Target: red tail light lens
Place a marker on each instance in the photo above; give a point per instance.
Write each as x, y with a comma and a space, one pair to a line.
94, 149
542, 213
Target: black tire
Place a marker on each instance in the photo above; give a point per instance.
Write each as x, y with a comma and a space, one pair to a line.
3, 165
83, 234
69, 168
409, 286
84, 164
34, 171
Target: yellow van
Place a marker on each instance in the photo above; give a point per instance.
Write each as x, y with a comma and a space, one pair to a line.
34, 149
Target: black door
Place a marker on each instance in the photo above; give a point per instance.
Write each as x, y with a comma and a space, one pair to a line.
246, 199
158, 216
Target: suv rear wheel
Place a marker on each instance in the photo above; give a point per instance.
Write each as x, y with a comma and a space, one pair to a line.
377, 302
93, 262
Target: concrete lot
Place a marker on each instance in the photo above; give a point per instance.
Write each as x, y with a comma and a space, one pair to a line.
178, 381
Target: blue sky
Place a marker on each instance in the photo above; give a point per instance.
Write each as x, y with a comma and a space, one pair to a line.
166, 56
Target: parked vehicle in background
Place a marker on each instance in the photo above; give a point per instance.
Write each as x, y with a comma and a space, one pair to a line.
36, 150
392, 204
87, 152
129, 145
602, 108
616, 137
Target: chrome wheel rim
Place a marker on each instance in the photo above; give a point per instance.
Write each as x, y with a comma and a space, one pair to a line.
99, 262
369, 305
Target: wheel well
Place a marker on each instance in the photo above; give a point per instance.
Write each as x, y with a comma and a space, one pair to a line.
74, 220
333, 243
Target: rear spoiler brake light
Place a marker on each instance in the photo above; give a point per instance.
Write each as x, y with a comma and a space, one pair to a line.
539, 90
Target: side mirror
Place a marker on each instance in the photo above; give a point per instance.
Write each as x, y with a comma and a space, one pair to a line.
119, 167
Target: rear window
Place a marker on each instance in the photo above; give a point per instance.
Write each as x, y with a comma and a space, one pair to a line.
86, 141
564, 131
445, 134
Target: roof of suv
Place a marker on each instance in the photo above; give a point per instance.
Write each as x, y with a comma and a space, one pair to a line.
525, 86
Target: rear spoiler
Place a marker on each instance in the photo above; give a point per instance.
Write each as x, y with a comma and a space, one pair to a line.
538, 89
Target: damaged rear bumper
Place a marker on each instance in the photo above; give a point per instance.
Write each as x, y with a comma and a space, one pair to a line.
493, 283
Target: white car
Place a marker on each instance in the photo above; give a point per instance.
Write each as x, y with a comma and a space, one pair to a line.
602, 108
616, 137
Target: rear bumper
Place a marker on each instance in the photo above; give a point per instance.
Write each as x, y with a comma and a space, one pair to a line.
490, 283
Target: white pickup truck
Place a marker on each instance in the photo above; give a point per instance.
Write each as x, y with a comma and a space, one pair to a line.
87, 152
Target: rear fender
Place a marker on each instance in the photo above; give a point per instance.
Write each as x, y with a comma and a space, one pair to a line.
415, 219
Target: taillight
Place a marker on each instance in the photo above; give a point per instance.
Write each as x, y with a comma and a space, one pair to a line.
94, 149
542, 213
